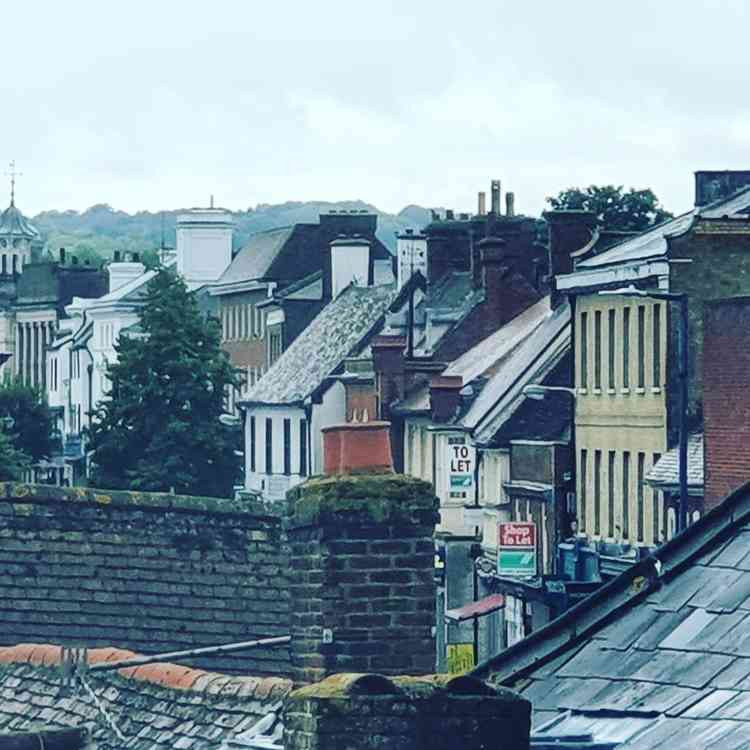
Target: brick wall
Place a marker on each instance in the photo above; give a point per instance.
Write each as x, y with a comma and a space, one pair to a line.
371, 712
146, 572
726, 397
362, 593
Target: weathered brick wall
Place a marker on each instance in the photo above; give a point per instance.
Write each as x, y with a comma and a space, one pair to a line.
719, 267
146, 572
370, 712
362, 558
726, 397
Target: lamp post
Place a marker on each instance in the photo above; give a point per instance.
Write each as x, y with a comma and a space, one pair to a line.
682, 346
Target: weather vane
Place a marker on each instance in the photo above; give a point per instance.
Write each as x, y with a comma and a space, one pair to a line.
13, 174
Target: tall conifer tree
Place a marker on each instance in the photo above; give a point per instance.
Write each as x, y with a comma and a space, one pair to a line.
160, 428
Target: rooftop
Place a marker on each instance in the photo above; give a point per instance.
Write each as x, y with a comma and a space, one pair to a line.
14, 224
665, 473
161, 705
337, 332
652, 244
659, 656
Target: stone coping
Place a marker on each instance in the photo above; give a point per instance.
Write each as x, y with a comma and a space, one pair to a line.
44, 493
351, 685
381, 498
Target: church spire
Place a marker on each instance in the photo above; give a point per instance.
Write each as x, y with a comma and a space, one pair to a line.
13, 174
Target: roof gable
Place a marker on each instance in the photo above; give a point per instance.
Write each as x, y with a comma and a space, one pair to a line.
668, 639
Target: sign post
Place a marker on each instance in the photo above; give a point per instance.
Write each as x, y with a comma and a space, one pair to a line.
516, 550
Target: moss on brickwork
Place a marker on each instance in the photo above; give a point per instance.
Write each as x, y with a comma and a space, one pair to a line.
44, 493
379, 498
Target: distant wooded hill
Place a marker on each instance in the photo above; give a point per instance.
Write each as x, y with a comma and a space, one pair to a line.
96, 233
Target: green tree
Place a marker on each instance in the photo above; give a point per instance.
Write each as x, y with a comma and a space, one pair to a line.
13, 462
30, 424
160, 429
631, 211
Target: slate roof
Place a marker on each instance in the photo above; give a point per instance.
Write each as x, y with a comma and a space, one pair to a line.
653, 242
530, 362
659, 656
255, 259
156, 706
285, 255
336, 333
665, 473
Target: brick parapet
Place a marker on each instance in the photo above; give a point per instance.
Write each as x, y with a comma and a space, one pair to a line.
140, 571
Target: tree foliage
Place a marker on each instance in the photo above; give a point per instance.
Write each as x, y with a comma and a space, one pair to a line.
634, 210
160, 429
32, 424
13, 462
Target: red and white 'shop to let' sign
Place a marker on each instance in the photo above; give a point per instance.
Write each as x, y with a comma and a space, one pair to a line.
517, 535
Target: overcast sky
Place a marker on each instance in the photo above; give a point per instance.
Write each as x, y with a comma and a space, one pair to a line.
151, 105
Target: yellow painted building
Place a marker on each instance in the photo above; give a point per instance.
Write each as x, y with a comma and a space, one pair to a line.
620, 416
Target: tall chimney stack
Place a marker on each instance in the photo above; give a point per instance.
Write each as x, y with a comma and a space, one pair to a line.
510, 204
361, 542
496, 197
482, 207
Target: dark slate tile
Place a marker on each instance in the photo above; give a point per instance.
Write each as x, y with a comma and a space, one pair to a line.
733, 675
718, 582
674, 595
707, 707
551, 667
690, 628
737, 707
632, 625
682, 668
733, 552
734, 594
722, 632
593, 660
662, 627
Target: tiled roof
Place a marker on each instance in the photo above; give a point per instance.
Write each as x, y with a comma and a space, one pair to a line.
336, 333
665, 472
659, 656
153, 706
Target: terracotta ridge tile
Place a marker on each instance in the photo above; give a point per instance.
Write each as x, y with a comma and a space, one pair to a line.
164, 674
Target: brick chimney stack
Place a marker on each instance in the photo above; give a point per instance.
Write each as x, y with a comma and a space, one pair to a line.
445, 396
569, 231
362, 592
726, 398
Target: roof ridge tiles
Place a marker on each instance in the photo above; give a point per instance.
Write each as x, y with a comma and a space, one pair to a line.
162, 674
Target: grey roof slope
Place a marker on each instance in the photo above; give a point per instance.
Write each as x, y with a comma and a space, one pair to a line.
334, 334
13, 223
653, 243
158, 706
659, 656
254, 260
665, 473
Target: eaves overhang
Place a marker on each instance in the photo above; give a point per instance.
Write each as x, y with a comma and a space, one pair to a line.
587, 279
